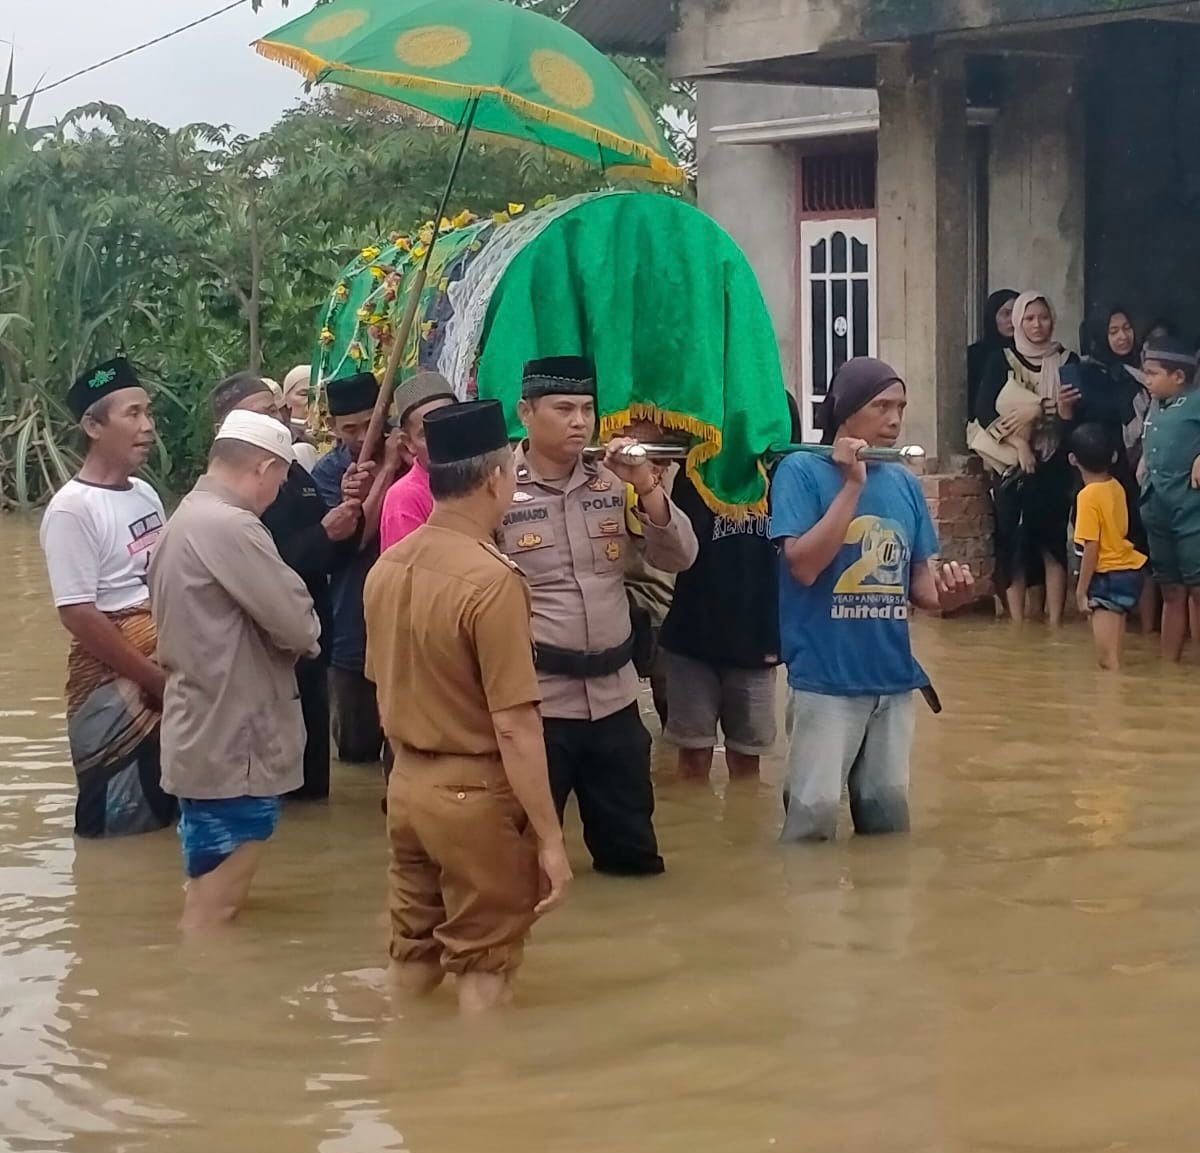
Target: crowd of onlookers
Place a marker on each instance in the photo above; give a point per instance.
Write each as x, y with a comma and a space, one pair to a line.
1096, 450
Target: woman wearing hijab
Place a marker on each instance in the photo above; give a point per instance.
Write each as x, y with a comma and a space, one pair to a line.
1033, 508
1115, 395
997, 336
1116, 398
855, 540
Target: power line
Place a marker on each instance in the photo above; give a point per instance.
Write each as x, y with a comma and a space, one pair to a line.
137, 48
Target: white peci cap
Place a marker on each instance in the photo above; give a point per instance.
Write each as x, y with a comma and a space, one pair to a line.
301, 374
262, 431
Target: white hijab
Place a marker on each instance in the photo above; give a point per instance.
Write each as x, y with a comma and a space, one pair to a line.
1048, 354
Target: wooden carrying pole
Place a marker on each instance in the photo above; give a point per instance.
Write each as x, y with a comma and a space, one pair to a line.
387, 386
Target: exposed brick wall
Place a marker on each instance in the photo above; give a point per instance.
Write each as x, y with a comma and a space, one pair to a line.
962, 514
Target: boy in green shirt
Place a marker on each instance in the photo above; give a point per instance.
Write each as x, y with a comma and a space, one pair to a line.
1171, 484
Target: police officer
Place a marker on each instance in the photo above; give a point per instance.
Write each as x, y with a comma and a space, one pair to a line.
471, 821
566, 529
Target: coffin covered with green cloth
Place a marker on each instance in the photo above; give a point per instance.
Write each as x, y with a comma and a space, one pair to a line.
647, 286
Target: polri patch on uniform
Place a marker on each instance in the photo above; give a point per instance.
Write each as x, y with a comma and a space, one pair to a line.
610, 527
612, 550
529, 540
521, 497
599, 484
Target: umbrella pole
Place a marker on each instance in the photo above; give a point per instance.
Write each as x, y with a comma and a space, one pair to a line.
387, 385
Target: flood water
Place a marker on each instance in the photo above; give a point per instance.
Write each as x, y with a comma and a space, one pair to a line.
1021, 973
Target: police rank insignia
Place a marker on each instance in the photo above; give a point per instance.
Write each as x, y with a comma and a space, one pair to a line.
610, 527
599, 484
521, 497
612, 550
529, 540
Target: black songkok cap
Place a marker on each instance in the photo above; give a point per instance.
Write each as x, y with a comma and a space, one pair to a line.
559, 375
461, 431
1172, 351
352, 394
99, 382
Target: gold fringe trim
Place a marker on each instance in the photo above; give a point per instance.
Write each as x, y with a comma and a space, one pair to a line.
710, 440
659, 169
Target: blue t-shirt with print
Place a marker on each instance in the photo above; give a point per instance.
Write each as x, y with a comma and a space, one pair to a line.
847, 635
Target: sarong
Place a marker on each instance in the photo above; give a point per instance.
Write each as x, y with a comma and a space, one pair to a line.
113, 735
211, 831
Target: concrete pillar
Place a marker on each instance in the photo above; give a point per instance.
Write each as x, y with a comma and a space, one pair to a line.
1037, 185
922, 328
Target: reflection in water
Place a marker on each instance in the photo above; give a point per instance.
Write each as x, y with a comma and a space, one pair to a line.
1019, 974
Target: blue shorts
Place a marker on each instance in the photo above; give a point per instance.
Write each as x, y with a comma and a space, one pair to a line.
1116, 592
210, 831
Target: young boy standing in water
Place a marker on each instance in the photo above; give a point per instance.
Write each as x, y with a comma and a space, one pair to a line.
1171, 484
1111, 570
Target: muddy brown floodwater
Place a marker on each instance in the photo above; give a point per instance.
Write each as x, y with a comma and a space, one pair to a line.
1021, 973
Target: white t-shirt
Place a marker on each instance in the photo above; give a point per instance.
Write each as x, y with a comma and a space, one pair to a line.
98, 542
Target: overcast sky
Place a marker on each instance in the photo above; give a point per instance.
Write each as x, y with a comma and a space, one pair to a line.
209, 73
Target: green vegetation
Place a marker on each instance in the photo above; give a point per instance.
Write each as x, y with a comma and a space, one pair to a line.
202, 252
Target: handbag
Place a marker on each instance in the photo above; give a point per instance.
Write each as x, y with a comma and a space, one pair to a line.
999, 455
996, 454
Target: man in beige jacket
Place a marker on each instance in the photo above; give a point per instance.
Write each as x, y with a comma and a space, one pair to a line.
232, 620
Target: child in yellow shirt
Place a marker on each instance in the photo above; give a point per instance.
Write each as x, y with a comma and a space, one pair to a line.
1111, 570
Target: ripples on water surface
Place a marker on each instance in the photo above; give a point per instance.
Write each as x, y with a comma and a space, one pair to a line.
1019, 974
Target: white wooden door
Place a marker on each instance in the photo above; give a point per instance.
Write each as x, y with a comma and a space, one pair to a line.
837, 305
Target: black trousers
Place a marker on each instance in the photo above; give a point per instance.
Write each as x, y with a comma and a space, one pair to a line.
606, 764
356, 728
312, 679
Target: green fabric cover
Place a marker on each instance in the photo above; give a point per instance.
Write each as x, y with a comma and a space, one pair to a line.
668, 308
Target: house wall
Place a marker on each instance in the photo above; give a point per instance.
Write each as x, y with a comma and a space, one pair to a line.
751, 189
1036, 194
714, 34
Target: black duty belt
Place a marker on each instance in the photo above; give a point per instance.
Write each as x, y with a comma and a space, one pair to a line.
582, 666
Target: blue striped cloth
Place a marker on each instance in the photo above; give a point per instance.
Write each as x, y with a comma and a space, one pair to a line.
210, 831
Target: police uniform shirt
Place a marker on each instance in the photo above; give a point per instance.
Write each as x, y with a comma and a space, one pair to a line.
448, 638
570, 540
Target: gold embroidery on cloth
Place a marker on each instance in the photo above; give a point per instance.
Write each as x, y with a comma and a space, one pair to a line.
434, 46
560, 78
336, 25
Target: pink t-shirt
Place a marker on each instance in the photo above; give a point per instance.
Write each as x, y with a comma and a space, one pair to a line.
406, 506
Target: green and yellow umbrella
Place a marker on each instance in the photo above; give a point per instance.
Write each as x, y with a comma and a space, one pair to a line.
480, 65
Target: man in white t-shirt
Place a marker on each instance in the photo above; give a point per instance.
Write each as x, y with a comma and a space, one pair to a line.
98, 533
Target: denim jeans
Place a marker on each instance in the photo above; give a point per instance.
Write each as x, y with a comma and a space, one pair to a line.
857, 743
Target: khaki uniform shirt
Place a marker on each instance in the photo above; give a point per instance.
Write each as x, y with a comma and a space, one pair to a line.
448, 638
571, 541
232, 621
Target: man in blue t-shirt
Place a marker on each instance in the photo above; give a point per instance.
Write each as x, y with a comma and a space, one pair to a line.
855, 545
